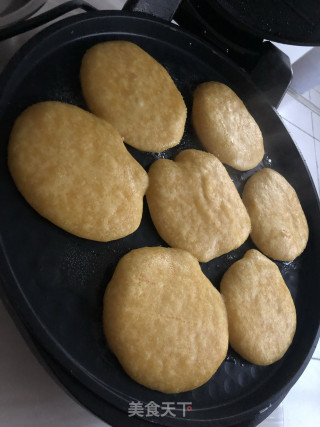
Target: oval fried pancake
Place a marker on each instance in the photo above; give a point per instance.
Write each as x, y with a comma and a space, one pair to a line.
225, 127
164, 320
195, 206
261, 312
74, 170
279, 226
124, 85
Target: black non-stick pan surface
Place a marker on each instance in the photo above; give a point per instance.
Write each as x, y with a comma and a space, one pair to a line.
55, 281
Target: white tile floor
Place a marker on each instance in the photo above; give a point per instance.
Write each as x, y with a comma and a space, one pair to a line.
304, 126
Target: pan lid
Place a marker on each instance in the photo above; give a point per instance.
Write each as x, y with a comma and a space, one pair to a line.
291, 22
247, 21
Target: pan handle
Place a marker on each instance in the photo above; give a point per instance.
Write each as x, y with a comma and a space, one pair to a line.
44, 18
164, 9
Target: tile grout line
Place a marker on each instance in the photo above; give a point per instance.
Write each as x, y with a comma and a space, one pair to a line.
315, 143
304, 101
311, 136
315, 151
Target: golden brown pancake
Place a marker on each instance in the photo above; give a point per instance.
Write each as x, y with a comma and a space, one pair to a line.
279, 226
131, 90
195, 206
261, 312
74, 170
225, 127
164, 320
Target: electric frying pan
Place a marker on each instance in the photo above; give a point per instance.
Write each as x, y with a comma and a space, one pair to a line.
53, 282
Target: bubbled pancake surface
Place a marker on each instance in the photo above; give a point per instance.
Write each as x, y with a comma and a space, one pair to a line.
279, 226
225, 127
195, 206
74, 170
164, 320
131, 90
261, 312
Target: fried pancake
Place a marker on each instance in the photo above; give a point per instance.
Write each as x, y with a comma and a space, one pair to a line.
131, 90
225, 127
195, 206
261, 312
164, 320
279, 226
74, 170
